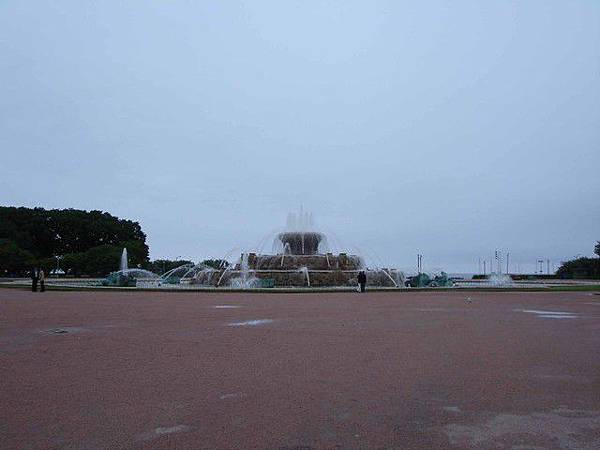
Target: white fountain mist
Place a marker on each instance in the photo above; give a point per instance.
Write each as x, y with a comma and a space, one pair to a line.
302, 256
245, 279
124, 260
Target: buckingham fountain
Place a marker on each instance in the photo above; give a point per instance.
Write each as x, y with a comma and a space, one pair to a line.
301, 257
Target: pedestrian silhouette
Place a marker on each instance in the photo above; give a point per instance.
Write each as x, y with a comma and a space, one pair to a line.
42, 277
362, 280
34, 279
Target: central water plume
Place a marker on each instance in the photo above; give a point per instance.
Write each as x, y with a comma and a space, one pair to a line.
301, 257
124, 260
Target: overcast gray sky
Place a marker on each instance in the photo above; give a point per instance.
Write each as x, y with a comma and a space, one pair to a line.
448, 128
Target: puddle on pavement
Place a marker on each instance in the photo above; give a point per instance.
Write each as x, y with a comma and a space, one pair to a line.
250, 323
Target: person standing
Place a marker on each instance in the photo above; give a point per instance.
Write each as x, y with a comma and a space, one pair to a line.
362, 280
42, 277
34, 279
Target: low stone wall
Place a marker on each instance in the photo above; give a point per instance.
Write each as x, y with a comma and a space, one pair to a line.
299, 278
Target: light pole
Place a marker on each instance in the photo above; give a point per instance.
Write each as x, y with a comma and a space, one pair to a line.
497, 258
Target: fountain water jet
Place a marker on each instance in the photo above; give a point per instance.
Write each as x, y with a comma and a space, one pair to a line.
124, 260
126, 277
499, 280
301, 257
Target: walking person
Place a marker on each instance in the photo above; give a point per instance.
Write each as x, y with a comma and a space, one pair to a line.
34, 279
42, 277
362, 280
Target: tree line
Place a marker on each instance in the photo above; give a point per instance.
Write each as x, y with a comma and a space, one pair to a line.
89, 242
582, 267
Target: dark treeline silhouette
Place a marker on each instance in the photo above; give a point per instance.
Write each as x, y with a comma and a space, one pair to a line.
90, 242
216, 263
581, 267
160, 266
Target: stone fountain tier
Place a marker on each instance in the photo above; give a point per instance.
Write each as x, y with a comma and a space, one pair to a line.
300, 278
328, 261
300, 242
297, 271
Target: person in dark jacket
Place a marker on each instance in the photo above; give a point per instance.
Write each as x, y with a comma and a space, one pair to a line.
34, 279
362, 280
42, 277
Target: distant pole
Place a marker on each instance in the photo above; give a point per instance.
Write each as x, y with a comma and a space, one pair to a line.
484, 270
479, 267
507, 257
548, 266
496, 259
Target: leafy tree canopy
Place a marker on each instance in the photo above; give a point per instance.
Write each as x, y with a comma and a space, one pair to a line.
581, 267
90, 242
13, 259
216, 263
61, 231
161, 266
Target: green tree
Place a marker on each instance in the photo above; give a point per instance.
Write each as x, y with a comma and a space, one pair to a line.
216, 263
90, 241
160, 266
581, 267
14, 261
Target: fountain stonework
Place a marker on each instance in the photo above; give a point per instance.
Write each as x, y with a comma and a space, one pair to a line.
300, 261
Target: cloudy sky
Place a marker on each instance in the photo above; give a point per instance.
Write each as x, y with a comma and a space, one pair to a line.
444, 128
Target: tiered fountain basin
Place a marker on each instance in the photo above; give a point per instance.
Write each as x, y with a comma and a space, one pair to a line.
299, 265
297, 271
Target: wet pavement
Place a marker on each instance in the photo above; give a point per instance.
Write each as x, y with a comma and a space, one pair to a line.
152, 370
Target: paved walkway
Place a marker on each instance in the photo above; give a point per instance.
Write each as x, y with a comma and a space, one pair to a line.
151, 370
